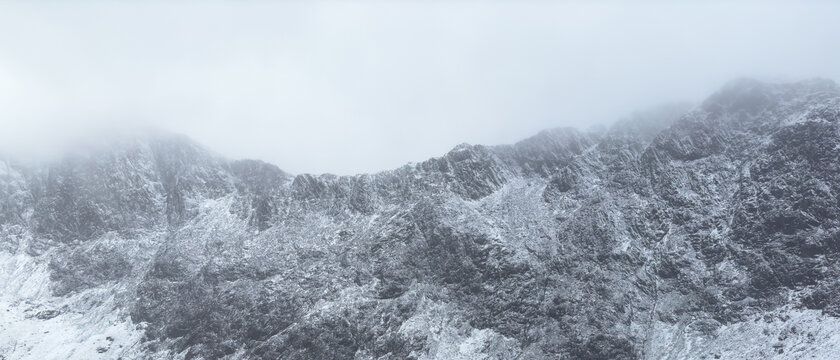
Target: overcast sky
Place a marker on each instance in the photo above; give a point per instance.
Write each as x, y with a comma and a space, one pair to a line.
364, 86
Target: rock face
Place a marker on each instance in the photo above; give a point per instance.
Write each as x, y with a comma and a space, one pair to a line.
710, 232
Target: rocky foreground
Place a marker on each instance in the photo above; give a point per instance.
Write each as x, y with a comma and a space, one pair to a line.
703, 233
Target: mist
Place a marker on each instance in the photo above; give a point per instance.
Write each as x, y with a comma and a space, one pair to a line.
357, 87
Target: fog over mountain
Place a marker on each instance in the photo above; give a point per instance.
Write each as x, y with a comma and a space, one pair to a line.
677, 233
360, 87
460, 180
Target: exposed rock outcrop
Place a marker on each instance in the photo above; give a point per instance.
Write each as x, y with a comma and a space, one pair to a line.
703, 233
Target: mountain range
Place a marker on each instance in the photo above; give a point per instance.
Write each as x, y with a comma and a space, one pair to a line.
702, 232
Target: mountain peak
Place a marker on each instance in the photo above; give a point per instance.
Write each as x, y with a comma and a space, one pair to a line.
671, 228
750, 96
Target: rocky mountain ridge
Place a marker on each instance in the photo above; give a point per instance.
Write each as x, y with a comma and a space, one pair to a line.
678, 234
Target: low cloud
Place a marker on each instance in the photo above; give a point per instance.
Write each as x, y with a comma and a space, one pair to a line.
367, 86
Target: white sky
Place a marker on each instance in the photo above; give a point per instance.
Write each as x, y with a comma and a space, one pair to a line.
351, 87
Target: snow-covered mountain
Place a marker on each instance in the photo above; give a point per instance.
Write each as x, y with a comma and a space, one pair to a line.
702, 233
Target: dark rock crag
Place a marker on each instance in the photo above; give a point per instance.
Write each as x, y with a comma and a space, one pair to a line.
566, 245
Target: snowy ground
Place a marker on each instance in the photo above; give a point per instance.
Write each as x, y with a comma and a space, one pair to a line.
784, 334
36, 325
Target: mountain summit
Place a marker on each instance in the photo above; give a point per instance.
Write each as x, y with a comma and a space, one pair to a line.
703, 233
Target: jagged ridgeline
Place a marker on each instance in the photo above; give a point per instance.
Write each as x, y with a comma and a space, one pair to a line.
704, 232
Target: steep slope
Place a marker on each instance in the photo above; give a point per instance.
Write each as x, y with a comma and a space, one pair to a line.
674, 234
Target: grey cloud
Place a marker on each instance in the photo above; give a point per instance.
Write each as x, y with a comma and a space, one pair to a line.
366, 86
